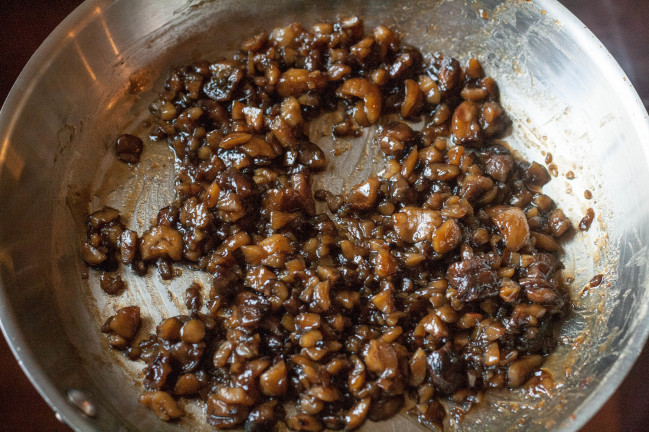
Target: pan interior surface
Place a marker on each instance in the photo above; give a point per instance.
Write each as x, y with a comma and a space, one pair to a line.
563, 91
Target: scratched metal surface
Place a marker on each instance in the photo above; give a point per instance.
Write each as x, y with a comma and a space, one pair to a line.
586, 117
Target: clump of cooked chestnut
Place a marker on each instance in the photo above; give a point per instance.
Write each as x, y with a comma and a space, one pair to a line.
434, 279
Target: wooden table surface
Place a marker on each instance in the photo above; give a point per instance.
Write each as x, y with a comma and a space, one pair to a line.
623, 26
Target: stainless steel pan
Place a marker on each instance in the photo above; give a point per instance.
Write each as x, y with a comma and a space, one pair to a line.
567, 96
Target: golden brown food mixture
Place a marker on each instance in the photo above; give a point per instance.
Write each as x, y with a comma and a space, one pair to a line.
434, 280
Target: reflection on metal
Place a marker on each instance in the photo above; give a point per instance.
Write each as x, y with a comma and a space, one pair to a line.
112, 101
80, 400
11, 160
82, 57
3, 151
6, 262
109, 35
